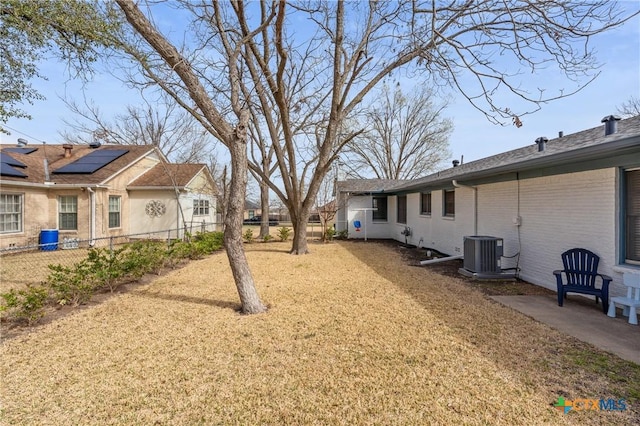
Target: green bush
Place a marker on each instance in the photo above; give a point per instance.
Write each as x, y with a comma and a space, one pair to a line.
107, 267
284, 233
267, 238
248, 235
342, 235
27, 304
209, 242
71, 285
143, 257
197, 247
329, 233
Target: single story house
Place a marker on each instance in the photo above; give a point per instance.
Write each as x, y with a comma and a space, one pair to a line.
88, 192
578, 190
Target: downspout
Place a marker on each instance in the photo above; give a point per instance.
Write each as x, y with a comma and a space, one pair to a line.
475, 203
92, 217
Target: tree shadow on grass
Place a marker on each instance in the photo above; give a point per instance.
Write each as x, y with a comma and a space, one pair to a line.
224, 304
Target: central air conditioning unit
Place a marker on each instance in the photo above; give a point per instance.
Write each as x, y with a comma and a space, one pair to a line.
482, 254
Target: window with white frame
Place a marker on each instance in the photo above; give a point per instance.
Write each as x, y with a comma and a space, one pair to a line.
114, 211
402, 209
449, 203
425, 203
632, 216
68, 213
380, 204
200, 207
10, 213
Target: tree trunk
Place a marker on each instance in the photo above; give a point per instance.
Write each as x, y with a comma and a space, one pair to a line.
300, 245
264, 208
242, 276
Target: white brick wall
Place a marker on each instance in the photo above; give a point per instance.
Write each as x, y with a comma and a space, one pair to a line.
562, 212
557, 213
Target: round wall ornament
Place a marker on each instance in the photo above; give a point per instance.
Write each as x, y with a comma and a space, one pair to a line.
155, 208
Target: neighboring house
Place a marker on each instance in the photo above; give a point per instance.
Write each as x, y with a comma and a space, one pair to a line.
580, 190
251, 209
97, 191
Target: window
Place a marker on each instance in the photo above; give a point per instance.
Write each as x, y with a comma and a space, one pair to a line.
114, 211
200, 207
425, 203
68, 213
632, 216
252, 213
379, 203
10, 213
402, 209
449, 208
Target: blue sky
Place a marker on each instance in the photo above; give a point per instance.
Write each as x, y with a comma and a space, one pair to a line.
473, 138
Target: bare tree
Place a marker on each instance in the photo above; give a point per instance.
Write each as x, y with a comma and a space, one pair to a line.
630, 108
243, 60
160, 123
213, 120
406, 136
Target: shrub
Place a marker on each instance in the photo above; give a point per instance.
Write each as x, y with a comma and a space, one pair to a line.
144, 257
71, 285
267, 238
342, 235
209, 242
107, 267
27, 304
329, 233
248, 235
284, 233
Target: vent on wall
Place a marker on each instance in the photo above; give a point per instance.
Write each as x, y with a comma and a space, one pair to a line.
482, 254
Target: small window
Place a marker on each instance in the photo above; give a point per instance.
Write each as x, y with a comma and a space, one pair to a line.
114, 211
425, 203
10, 213
632, 216
200, 207
380, 204
68, 213
449, 208
402, 209
252, 214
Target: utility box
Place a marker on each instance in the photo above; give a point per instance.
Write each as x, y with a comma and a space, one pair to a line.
482, 254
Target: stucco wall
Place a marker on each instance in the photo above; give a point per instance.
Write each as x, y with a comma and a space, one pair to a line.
141, 221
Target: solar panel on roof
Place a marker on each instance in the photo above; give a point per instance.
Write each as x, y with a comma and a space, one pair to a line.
20, 150
4, 158
8, 170
92, 162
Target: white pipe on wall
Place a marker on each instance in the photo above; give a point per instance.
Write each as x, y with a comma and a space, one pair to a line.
92, 216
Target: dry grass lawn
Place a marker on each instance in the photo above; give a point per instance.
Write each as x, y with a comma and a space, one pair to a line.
354, 335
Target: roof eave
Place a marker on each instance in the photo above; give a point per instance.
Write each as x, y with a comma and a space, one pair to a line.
577, 155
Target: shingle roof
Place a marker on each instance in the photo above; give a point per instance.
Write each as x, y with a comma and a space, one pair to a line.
587, 144
368, 185
168, 175
55, 159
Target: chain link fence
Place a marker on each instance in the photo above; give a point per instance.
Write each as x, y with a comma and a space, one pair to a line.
21, 266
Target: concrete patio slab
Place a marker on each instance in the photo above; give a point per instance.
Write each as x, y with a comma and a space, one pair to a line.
583, 319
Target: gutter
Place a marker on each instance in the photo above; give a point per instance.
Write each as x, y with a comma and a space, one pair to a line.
475, 203
550, 159
49, 185
92, 216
